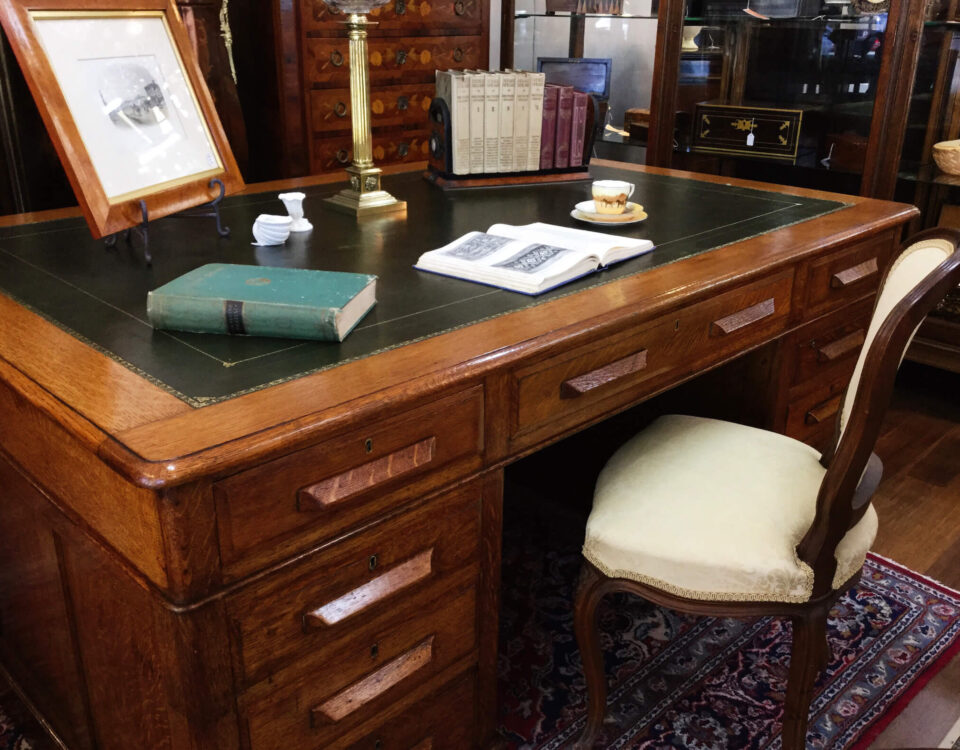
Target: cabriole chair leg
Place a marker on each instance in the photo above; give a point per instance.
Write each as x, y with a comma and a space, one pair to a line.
589, 594
807, 658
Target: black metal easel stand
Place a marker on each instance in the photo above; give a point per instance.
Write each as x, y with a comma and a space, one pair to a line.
204, 211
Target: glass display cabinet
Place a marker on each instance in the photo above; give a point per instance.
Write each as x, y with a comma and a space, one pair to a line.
934, 118
780, 90
802, 92
621, 31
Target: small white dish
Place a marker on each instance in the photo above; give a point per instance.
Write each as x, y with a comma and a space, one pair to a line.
271, 230
585, 211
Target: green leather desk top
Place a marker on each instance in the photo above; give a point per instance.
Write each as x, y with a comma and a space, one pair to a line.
99, 294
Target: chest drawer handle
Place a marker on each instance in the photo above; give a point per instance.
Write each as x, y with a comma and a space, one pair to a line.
403, 103
836, 349
373, 592
459, 8
336, 57
359, 694
401, 56
823, 412
340, 109
458, 55
852, 275
607, 374
743, 318
341, 487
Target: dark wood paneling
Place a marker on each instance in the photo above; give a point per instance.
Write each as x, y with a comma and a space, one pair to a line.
36, 637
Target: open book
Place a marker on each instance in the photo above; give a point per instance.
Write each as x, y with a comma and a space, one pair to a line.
532, 258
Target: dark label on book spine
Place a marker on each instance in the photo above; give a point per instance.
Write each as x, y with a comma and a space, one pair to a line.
234, 315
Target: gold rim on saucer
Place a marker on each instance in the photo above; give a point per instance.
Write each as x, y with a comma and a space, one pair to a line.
633, 214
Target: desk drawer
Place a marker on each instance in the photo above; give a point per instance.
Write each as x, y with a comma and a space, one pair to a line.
380, 578
441, 722
399, 17
828, 348
409, 60
367, 675
846, 275
390, 106
576, 386
329, 153
811, 417
266, 513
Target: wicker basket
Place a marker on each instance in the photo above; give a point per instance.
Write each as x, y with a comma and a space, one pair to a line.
947, 156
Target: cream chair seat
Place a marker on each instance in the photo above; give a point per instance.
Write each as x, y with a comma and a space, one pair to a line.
714, 510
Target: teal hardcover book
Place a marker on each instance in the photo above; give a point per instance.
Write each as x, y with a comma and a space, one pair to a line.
292, 303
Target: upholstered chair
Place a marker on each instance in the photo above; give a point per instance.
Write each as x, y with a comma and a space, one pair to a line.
716, 518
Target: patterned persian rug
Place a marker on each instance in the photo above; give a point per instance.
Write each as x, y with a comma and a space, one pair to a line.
680, 681
11, 735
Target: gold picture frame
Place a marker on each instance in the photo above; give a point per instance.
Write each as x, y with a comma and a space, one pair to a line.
125, 104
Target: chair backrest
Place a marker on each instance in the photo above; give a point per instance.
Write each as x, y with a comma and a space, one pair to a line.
927, 267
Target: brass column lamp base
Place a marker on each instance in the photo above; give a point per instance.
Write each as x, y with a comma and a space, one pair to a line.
364, 197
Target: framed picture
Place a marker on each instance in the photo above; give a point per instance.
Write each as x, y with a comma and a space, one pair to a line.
125, 105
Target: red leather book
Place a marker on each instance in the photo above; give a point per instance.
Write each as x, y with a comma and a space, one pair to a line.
561, 151
578, 128
548, 132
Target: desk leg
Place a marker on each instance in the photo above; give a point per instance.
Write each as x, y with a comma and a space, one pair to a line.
488, 613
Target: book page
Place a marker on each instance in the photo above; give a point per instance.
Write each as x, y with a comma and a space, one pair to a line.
602, 248
517, 263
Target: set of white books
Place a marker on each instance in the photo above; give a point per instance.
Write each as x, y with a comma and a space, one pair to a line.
495, 117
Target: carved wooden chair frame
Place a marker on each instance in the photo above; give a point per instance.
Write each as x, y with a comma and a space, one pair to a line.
853, 473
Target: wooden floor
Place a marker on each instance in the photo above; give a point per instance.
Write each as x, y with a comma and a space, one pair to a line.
918, 503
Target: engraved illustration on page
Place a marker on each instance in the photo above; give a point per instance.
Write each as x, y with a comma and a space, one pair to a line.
533, 258
478, 247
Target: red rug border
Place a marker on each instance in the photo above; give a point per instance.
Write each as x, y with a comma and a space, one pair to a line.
921, 680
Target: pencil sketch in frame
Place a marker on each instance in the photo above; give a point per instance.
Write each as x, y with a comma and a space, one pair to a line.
125, 104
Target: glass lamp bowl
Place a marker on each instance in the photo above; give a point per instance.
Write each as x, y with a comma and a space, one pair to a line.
358, 7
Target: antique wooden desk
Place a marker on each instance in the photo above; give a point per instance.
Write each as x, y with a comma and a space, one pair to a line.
211, 542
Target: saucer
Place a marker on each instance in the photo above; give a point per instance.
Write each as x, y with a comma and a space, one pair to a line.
584, 211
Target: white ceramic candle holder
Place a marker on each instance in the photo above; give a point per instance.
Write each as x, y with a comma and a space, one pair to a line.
294, 205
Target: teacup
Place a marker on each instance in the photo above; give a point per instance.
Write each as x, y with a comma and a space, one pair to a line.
610, 196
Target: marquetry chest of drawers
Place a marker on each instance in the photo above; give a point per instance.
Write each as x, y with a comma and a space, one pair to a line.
410, 41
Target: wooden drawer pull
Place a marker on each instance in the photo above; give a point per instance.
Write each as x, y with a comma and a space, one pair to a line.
823, 412
336, 489
743, 318
607, 374
854, 274
372, 592
373, 685
836, 349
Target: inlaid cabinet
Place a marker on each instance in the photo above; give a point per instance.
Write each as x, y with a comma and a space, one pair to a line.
410, 41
